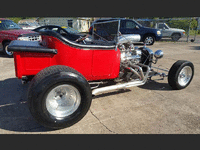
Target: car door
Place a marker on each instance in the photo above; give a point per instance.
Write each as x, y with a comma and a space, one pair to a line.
129, 27
2, 35
164, 29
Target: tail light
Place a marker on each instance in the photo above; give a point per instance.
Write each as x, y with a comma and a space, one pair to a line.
90, 29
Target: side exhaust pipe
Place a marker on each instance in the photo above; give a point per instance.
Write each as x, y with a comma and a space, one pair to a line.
123, 86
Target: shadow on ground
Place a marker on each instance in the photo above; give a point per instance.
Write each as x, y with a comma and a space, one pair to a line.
170, 40
3, 55
195, 47
150, 85
154, 85
14, 112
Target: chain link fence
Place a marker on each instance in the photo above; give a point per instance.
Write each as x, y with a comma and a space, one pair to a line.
175, 29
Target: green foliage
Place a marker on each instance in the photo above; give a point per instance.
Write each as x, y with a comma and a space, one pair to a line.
194, 24
15, 19
183, 24
192, 32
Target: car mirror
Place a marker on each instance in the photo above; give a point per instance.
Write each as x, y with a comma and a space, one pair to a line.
137, 27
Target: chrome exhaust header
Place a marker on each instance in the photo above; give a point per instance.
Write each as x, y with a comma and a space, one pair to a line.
124, 85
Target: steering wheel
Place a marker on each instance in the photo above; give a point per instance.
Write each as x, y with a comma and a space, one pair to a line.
81, 39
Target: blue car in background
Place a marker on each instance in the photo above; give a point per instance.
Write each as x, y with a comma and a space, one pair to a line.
129, 26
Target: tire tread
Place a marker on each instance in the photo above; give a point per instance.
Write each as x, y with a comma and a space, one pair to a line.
172, 76
39, 81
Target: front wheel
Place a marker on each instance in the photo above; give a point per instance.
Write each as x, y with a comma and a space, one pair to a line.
59, 97
175, 37
149, 39
180, 74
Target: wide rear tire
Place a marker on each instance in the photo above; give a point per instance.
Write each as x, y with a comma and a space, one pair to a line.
58, 97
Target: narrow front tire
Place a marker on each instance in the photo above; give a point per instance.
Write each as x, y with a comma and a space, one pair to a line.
180, 74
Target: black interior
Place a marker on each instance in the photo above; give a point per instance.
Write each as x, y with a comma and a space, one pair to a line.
78, 45
29, 46
36, 46
61, 31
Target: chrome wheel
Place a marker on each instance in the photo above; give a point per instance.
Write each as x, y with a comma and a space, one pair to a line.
7, 52
63, 100
185, 75
148, 40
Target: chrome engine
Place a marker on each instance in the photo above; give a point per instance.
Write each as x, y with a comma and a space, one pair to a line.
132, 65
135, 66
130, 54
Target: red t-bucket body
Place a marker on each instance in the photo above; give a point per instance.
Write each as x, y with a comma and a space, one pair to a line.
94, 62
59, 96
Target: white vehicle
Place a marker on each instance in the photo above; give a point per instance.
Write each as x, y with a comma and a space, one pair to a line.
28, 25
173, 33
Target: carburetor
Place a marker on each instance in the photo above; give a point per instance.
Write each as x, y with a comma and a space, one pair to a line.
130, 53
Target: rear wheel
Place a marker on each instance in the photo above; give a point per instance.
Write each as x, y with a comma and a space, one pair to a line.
5, 50
181, 74
58, 97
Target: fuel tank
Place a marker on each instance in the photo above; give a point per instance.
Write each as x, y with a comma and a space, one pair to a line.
131, 38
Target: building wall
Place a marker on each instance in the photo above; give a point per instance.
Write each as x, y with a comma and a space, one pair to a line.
85, 25
81, 25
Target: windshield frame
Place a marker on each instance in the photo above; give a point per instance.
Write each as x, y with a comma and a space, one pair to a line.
103, 40
166, 26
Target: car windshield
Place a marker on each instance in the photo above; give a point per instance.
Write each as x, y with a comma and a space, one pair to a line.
71, 30
8, 24
106, 31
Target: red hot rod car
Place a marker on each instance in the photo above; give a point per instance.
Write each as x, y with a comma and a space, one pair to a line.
64, 74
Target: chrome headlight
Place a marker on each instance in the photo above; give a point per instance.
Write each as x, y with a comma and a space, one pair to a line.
158, 32
30, 38
158, 54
